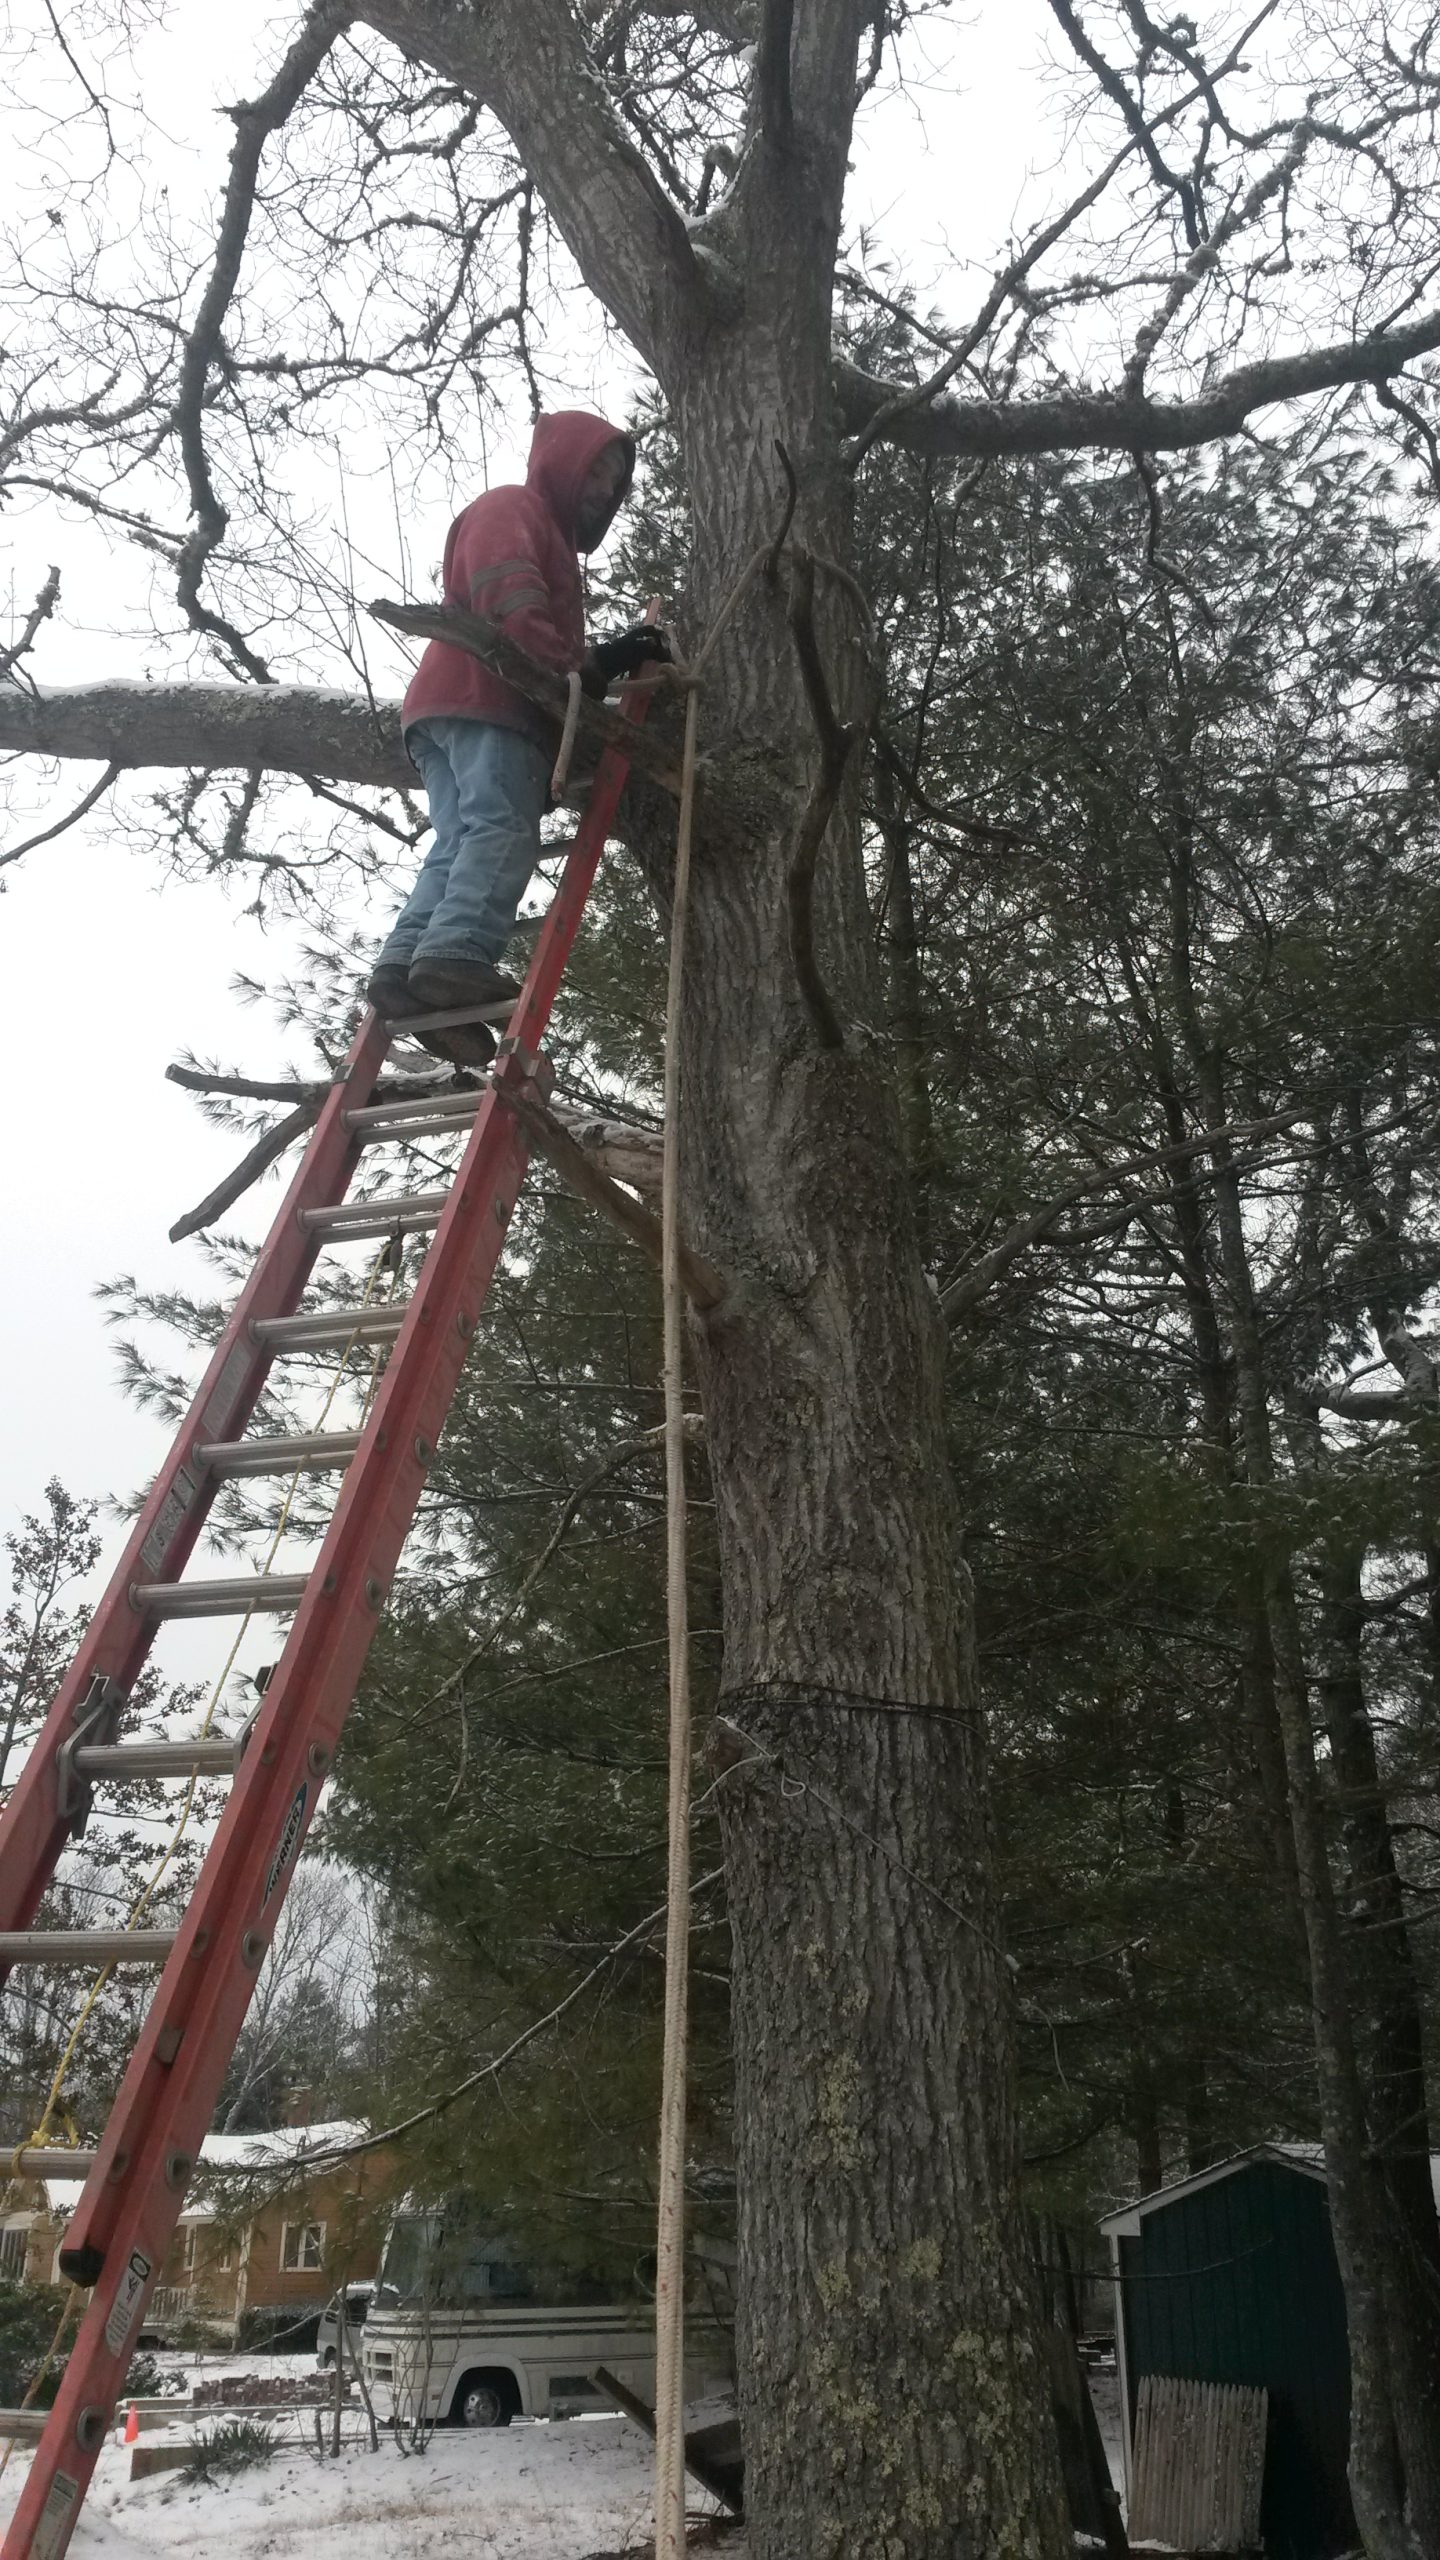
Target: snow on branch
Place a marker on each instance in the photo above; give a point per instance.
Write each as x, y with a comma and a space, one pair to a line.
281, 728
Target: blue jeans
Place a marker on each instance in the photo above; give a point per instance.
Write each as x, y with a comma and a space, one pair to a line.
487, 789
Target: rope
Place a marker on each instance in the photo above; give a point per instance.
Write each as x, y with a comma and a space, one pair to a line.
670, 2249
561, 773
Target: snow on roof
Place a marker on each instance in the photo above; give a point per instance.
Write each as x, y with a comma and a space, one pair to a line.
235, 2154
287, 2146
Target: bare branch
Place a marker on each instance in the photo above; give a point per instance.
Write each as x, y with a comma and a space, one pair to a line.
530, 67
40, 611
63, 825
257, 1161
1169, 180
1080, 421
254, 125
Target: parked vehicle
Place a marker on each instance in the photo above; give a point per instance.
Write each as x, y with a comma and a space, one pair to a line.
356, 2309
463, 2331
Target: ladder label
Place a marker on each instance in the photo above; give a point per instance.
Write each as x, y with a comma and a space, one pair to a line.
227, 1387
53, 2530
285, 1845
172, 1511
124, 2310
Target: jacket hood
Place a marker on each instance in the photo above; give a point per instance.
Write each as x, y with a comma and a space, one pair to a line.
561, 451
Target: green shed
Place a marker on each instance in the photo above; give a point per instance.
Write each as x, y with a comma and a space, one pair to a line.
1230, 2276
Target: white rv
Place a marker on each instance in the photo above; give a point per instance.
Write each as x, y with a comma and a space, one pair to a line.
462, 2331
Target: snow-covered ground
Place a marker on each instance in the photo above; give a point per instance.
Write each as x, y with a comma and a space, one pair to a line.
520, 2493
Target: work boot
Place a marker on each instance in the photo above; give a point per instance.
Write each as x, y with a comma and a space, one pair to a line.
389, 991
443, 986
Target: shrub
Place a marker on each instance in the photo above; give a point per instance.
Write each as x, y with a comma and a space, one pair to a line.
29, 2316
233, 2444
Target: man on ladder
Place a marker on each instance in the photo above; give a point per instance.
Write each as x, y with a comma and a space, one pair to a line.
484, 751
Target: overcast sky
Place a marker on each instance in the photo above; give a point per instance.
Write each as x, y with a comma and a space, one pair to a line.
113, 969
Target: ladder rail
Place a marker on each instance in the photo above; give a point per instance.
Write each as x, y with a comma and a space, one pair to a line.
119, 2234
33, 1831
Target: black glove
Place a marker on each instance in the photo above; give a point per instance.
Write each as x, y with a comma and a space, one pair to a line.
644, 645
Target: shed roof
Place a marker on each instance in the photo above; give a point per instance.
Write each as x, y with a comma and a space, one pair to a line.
1307, 2158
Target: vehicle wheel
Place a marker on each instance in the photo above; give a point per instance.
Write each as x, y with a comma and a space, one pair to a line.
328, 2360
483, 2400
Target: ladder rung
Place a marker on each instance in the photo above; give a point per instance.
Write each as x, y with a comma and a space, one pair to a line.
30, 2161
26, 2425
211, 1757
399, 1117
403, 1024
224, 1599
399, 1215
324, 1330
311, 1454
85, 1946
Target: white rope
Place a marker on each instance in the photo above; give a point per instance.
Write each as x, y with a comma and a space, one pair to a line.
561, 774
670, 2245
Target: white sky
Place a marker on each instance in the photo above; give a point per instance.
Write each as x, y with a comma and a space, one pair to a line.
113, 969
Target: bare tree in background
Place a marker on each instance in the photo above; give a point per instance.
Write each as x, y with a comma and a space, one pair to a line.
1249, 225
309, 2001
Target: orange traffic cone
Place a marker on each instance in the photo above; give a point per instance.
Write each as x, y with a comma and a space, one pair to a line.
132, 2424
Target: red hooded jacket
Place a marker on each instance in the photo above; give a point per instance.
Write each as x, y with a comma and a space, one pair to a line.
512, 555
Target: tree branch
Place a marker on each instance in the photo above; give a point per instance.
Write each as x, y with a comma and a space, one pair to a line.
40, 611
281, 728
1086, 421
257, 1161
63, 825
528, 63
254, 125
610, 1151
960, 1295
704, 1286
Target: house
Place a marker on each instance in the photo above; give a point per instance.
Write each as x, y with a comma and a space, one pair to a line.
1231, 2276
272, 2224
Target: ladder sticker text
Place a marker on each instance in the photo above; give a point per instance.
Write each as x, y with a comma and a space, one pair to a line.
285, 1845
172, 1511
227, 1387
53, 2530
125, 2309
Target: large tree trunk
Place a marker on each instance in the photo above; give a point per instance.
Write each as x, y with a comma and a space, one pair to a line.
1392, 2048
892, 2396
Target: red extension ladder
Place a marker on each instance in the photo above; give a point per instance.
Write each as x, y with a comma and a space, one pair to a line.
135, 2182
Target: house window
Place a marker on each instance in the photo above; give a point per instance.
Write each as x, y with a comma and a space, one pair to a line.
12, 2251
302, 2247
